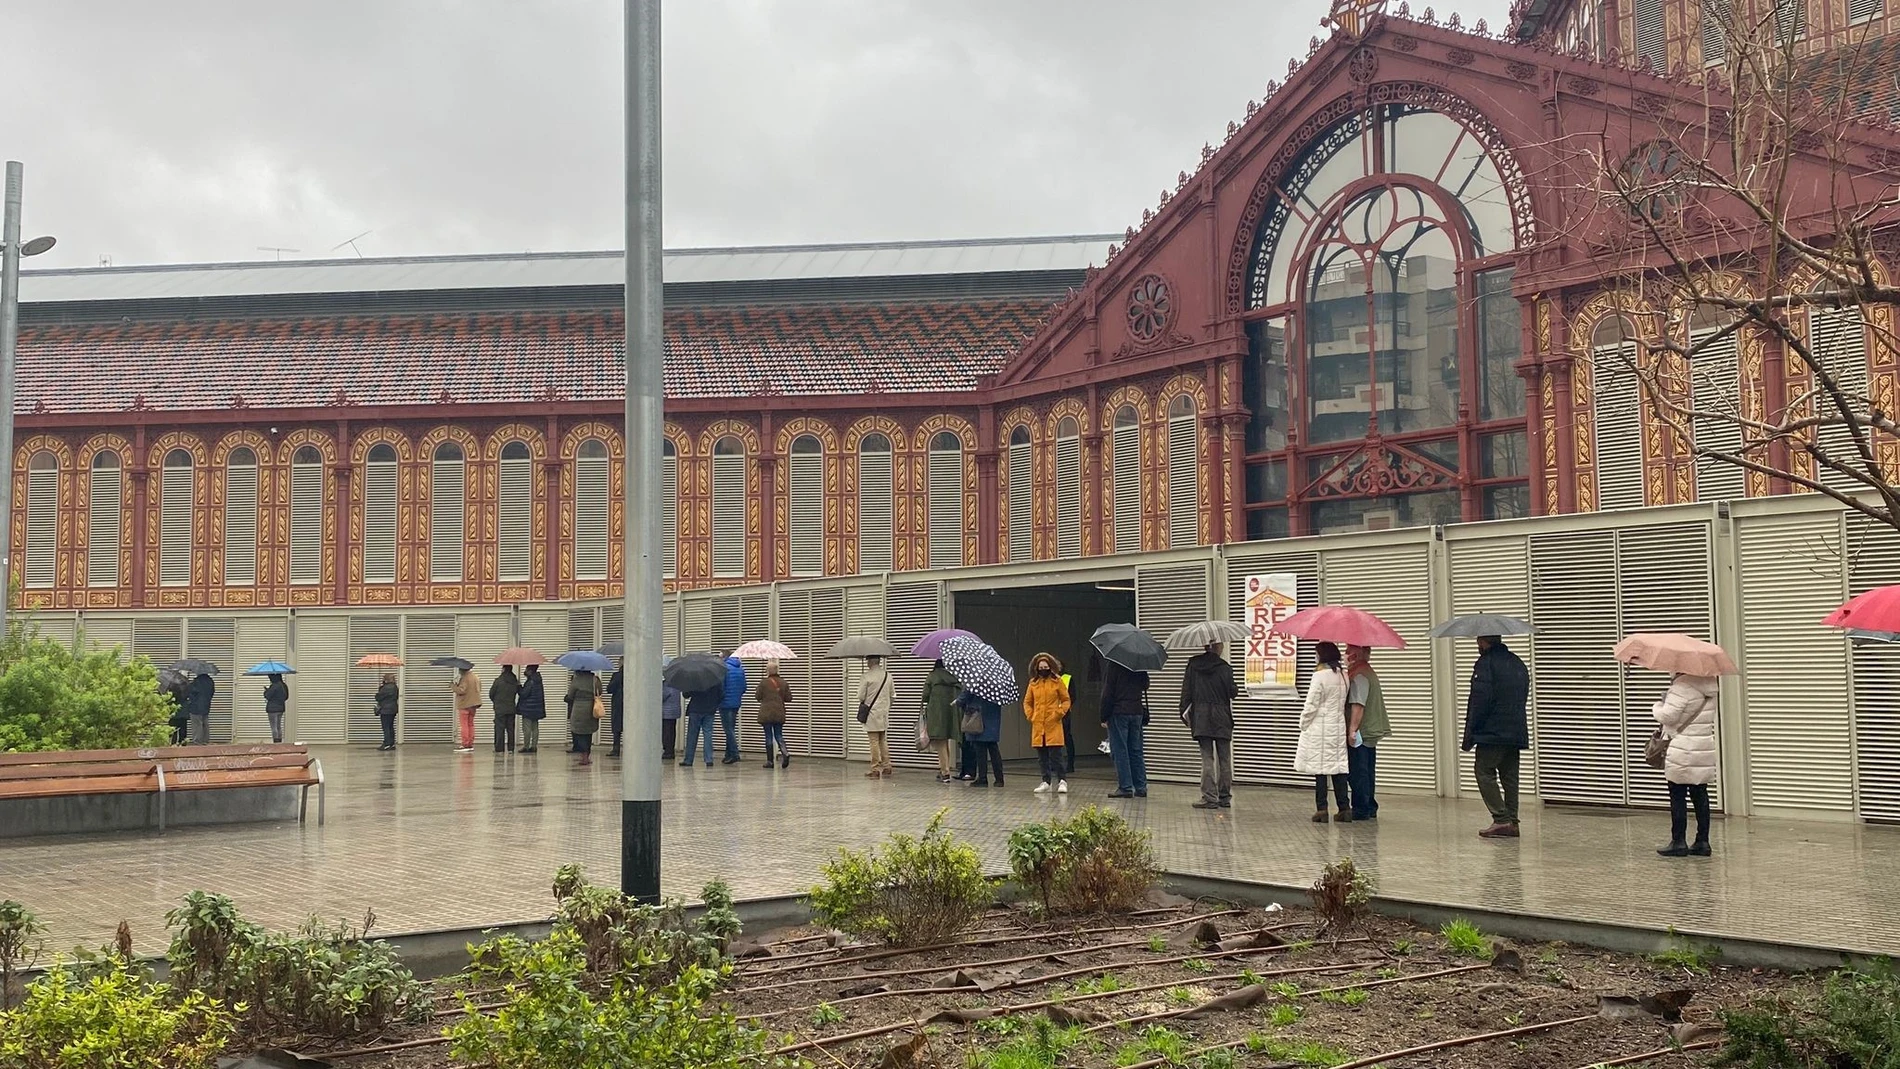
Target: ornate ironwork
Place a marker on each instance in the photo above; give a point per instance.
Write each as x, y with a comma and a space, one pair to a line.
1150, 309
1379, 469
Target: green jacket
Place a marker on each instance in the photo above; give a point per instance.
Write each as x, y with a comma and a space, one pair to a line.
1374, 725
942, 718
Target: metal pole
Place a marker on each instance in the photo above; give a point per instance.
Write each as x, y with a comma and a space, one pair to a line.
9, 338
640, 768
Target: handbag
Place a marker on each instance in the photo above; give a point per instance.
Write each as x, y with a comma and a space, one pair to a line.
600, 711
864, 708
923, 738
1656, 750
972, 722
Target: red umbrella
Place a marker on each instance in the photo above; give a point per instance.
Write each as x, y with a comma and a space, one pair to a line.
1876, 610
1342, 624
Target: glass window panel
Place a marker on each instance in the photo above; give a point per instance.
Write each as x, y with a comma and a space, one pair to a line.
1263, 384
1504, 456
1266, 523
1416, 346
1266, 482
1445, 452
1507, 502
1500, 319
1385, 513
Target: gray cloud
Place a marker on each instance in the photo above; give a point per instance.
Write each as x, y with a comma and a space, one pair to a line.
202, 129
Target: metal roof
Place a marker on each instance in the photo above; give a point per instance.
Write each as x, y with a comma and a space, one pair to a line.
562, 269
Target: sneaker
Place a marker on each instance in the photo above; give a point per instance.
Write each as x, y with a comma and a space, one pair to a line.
465, 749
1043, 787
1121, 794
1062, 786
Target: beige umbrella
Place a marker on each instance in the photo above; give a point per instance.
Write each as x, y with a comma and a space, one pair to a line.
1674, 653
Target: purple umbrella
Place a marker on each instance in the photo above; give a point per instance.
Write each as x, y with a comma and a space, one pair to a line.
930, 647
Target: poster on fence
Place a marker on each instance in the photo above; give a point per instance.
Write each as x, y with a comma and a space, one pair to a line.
1272, 659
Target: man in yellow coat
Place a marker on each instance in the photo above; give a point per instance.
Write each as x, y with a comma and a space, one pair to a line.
1045, 703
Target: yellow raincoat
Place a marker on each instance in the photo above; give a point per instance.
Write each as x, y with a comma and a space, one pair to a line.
1045, 701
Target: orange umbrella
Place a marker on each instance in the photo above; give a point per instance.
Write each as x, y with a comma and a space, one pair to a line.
379, 660
1669, 652
519, 657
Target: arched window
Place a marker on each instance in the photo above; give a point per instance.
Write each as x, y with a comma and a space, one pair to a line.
448, 504
514, 514
591, 494
42, 520
1715, 386
1068, 488
240, 517
1385, 326
1184, 474
729, 508
874, 504
106, 509
946, 501
1616, 409
669, 509
1125, 453
1837, 340
379, 514
174, 524
807, 519
306, 516
1022, 512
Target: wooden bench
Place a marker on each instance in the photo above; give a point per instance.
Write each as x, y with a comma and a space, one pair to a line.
162, 771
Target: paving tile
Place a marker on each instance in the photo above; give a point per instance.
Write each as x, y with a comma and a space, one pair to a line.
433, 840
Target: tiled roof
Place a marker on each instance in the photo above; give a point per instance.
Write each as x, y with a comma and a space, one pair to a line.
487, 357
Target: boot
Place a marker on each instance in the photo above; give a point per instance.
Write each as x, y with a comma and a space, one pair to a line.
1674, 849
769, 763
1344, 816
1700, 848
1321, 817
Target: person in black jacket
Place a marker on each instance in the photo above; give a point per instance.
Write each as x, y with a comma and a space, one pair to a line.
1207, 708
531, 705
386, 698
616, 704
276, 698
1125, 713
1497, 727
198, 708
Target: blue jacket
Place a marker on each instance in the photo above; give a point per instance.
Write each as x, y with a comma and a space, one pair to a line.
992, 717
735, 684
669, 703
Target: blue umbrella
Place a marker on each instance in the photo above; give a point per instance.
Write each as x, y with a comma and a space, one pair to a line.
270, 668
584, 661
979, 669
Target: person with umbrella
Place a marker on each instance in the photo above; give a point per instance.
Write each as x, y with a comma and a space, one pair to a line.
1321, 752
1207, 707
531, 705
941, 716
1045, 703
701, 706
616, 704
198, 708
669, 720
986, 717
174, 685
276, 700
583, 712
874, 712
1366, 724
504, 696
1125, 715
1498, 728
468, 698
774, 695
1686, 717
387, 697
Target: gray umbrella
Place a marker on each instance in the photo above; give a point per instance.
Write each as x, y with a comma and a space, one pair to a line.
862, 646
195, 666
612, 649
1129, 646
695, 672
1206, 633
1861, 634
1483, 623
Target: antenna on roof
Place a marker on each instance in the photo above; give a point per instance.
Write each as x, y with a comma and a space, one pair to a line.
278, 249
351, 242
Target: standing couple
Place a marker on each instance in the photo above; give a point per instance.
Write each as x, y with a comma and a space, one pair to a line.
1340, 727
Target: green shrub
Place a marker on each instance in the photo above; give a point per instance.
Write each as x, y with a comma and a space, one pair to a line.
1853, 1024
559, 1015
1095, 862
619, 936
20, 945
1340, 896
59, 697
114, 1020
917, 892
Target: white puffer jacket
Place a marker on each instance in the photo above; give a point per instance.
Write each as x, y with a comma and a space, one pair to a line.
1687, 716
1322, 749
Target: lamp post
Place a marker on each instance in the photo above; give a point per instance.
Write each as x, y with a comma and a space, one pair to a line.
10, 252
640, 770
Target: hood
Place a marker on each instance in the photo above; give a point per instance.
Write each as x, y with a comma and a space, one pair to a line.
1208, 664
1055, 663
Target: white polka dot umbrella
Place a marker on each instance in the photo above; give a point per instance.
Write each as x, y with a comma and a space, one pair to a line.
980, 670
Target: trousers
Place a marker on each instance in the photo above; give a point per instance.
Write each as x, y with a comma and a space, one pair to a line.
1217, 770
669, 738
276, 725
504, 732
880, 750
466, 736
1497, 781
697, 725
1125, 745
774, 740
1680, 795
200, 729
995, 755
941, 747
1340, 791
1051, 763
389, 730
729, 725
1362, 769
530, 734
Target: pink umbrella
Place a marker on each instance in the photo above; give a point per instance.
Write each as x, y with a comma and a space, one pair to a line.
1876, 610
519, 657
1669, 652
764, 650
1342, 624
930, 647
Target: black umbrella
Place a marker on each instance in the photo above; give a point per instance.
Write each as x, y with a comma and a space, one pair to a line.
1129, 646
195, 666
615, 648
452, 662
171, 679
695, 672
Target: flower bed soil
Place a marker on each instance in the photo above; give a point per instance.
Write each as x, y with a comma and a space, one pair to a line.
1386, 986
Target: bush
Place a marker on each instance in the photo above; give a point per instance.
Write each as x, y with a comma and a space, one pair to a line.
1093, 863
115, 1019
1853, 1024
317, 980
1340, 895
558, 1015
56, 697
917, 892
19, 945
619, 937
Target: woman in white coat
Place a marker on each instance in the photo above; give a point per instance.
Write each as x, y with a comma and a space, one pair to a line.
1322, 749
874, 699
1687, 716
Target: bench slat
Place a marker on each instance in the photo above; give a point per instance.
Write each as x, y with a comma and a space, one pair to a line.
55, 788
156, 753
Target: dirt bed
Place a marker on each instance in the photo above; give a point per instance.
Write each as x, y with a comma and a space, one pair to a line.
1135, 991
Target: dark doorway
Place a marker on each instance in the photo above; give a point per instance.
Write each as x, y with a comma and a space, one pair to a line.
1058, 620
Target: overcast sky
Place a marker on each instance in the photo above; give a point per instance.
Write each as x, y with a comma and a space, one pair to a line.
194, 130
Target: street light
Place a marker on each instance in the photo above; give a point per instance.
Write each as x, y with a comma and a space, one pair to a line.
11, 249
